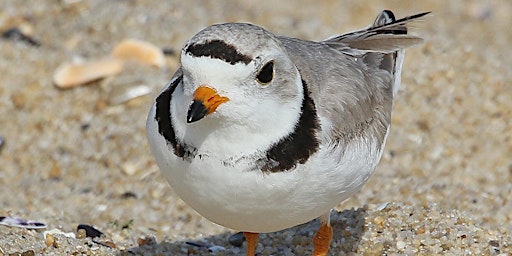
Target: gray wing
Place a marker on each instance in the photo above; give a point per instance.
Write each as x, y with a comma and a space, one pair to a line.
353, 77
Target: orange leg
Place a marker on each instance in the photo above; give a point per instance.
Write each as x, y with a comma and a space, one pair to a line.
322, 239
252, 242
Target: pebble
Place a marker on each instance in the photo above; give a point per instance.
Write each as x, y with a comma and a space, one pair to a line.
2, 142
400, 245
55, 172
129, 168
80, 234
49, 240
146, 241
18, 100
420, 230
379, 221
69, 75
28, 253
237, 239
140, 51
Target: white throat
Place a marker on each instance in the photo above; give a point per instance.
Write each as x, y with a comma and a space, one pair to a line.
246, 127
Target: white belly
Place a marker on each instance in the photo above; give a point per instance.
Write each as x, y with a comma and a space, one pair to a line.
266, 202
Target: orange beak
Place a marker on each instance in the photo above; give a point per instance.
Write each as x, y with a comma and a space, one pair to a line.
206, 100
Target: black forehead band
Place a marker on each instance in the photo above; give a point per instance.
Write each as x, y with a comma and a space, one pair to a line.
218, 49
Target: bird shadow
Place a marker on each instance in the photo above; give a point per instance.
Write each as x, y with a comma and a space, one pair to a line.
348, 228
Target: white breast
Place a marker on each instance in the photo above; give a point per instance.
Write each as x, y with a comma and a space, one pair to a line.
239, 199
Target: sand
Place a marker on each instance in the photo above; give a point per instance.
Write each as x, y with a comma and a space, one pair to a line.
80, 155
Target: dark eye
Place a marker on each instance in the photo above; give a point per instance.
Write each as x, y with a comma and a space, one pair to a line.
266, 73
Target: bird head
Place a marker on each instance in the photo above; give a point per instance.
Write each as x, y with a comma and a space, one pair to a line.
239, 73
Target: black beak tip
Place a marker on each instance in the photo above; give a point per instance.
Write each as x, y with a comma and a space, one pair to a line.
196, 111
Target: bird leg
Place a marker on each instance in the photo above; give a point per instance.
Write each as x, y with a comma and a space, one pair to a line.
252, 242
322, 239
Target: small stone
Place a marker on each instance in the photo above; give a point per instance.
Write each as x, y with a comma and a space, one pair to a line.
49, 240
420, 231
379, 221
18, 100
80, 234
236, 239
146, 241
494, 243
400, 245
28, 253
129, 168
376, 249
55, 172
110, 244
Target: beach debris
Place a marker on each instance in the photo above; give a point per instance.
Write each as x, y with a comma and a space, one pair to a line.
55, 172
122, 94
15, 34
57, 232
90, 231
148, 240
50, 240
382, 206
21, 223
25, 253
140, 51
80, 234
128, 194
50, 237
108, 244
69, 75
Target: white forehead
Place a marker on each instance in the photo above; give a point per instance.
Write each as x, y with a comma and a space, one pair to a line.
216, 72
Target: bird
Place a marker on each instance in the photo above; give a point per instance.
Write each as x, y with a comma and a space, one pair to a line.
259, 132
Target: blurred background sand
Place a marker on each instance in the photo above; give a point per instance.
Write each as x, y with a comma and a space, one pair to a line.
72, 156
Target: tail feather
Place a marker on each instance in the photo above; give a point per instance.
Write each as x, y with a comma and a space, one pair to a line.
385, 35
381, 45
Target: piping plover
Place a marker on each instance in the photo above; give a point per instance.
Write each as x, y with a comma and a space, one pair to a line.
259, 132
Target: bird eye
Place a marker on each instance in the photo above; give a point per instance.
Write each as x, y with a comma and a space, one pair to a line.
266, 73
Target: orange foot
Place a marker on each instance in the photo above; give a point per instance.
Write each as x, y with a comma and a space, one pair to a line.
252, 242
322, 239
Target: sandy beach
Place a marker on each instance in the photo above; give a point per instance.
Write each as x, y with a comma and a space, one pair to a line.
80, 155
